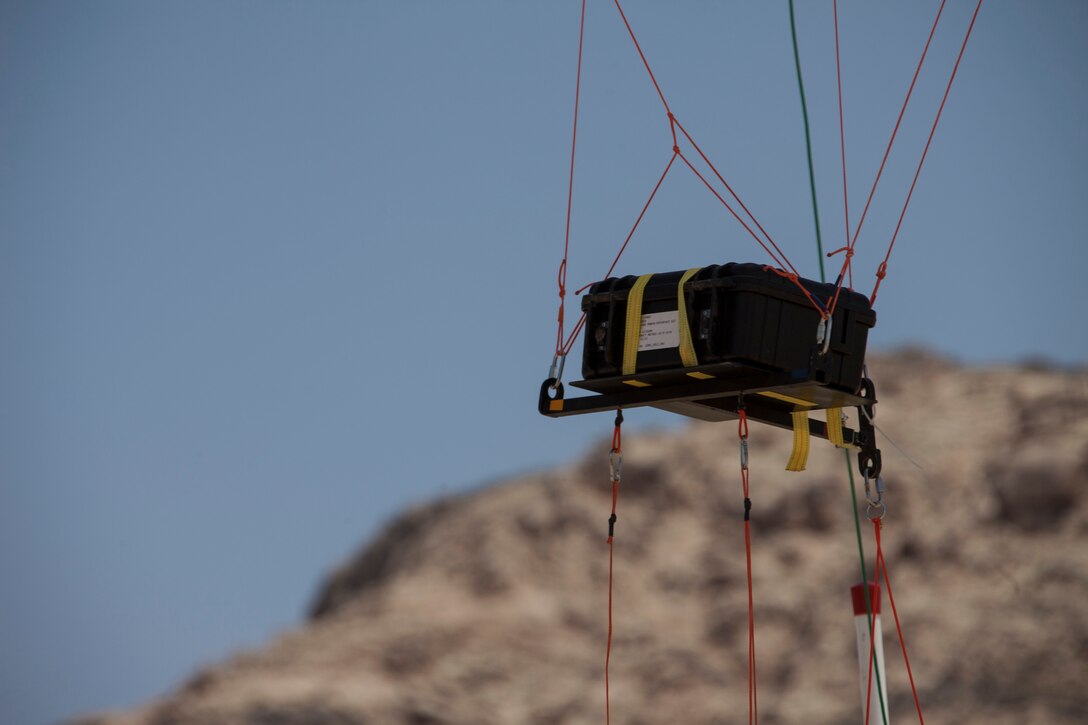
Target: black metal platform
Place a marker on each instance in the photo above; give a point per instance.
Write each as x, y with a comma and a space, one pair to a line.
712, 393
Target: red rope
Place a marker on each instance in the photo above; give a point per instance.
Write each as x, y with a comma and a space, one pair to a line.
883, 269
852, 242
582, 321
570, 188
615, 460
772, 249
881, 570
608, 649
872, 636
793, 278
784, 261
780, 258
736, 216
646, 63
883, 565
742, 433
842, 147
895, 130
574, 334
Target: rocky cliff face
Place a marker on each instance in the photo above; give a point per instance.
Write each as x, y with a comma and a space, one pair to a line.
490, 607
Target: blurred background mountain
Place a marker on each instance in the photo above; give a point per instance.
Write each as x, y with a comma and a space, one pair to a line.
272, 273
490, 606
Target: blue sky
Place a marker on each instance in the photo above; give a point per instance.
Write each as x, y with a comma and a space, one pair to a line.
270, 272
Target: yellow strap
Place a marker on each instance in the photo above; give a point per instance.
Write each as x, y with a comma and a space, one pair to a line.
834, 427
799, 457
634, 324
687, 349
788, 399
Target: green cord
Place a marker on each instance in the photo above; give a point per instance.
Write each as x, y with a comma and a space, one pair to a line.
823, 278
808, 144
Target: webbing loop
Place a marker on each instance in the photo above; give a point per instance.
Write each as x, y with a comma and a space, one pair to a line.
834, 427
801, 439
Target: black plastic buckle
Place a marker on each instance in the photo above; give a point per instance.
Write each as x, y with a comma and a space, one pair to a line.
869, 463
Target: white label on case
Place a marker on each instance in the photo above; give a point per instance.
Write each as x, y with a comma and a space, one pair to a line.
659, 330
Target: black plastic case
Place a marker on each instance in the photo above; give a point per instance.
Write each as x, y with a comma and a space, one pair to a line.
742, 314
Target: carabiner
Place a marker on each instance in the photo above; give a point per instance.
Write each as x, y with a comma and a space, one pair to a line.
555, 372
615, 466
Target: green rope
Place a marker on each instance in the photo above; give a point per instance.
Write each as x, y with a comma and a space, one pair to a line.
823, 278
808, 145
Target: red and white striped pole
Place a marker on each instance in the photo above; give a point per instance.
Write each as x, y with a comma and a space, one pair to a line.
879, 688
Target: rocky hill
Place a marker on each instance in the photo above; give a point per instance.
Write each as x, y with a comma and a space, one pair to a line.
490, 607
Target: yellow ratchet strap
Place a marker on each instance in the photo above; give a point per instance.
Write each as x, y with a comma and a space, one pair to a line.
834, 427
799, 457
633, 327
687, 348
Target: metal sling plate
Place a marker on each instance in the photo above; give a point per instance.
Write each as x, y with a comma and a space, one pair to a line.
714, 399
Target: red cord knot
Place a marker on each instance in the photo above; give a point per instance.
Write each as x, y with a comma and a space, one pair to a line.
882, 271
676, 149
849, 252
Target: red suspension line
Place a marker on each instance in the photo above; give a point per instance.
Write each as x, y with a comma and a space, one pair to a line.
842, 147
883, 269
792, 276
570, 188
582, 321
883, 161
772, 249
785, 262
646, 63
742, 433
641, 214
674, 124
615, 464
732, 211
898, 627
872, 641
849, 249
880, 568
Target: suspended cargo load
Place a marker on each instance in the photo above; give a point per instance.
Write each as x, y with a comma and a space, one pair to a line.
694, 342
729, 321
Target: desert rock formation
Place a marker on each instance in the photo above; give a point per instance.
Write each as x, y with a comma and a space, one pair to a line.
490, 607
